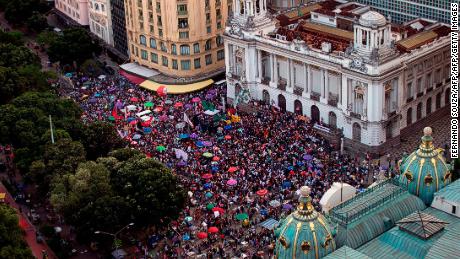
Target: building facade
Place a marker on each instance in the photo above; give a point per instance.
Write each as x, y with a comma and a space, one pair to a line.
180, 38
100, 20
284, 4
404, 10
371, 88
120, 39
77, 10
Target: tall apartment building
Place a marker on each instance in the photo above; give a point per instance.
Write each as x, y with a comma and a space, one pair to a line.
180, 38
405, 10
120, 40
77, 10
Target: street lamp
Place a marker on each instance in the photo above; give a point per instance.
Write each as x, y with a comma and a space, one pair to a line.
114, 235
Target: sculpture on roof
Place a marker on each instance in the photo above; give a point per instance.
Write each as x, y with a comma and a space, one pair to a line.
425, 171
305, 233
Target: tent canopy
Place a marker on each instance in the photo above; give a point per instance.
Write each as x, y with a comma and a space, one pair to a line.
177, 89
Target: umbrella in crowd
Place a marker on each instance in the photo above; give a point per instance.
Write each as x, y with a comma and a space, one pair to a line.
160, 148
178, 105
275, 203
210, 206
233, 169
213, 230
148, 104
231, 182
202, 235
262, 192
207, 155
242, 216
206, 176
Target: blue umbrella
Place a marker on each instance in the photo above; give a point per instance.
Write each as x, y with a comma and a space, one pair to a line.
186, 237
136, 136
214, 168
228, 127
287, 184
199, 144
97, 95
183, 136
208, 195
263, 212
129, 119
290, 167
68, 75
147, 130
207, 185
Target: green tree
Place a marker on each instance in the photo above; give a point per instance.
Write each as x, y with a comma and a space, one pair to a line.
37, 22
91, 68
100, 138
12, 244
46, 38
63, 157
151, 190
75, 45
13, 37
17, 56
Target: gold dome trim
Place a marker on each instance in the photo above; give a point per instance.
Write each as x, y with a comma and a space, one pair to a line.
299, 225
434, 162
321, 221
312, 228
284, 242
422, 161
410, 162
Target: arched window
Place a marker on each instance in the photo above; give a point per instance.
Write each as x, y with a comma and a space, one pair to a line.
208, 45
419, 111
409, 117
332, 120
153, 43
219, 40
298, 109
241, 7
315, 114
356, 132
142, 40
266, 96
185, 50
438, 100
173, 49
282, 102
237, 90
428, 106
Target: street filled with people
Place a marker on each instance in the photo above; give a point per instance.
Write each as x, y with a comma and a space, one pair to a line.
241, 170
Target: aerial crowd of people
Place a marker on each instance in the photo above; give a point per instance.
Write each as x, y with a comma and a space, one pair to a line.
240, 169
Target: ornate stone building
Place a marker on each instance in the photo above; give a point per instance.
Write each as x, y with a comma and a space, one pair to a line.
100, 20
343, 65
180, 38
77, 10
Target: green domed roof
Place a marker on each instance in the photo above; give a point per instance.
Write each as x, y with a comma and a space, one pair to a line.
425, 171
305, 233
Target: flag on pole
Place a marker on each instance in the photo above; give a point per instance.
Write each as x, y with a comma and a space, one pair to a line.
186, 119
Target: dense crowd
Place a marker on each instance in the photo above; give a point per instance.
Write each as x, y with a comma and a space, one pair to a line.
239, 168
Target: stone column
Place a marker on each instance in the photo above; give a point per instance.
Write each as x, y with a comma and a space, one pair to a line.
227, 60
259, 64
275, 69
326, 85
305, 72
309, 79
322, 84
289, 73
272, 71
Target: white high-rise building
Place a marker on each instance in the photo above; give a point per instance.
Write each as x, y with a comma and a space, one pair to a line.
342, 65
100, 20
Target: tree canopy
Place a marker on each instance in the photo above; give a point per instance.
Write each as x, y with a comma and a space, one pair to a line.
12, 244
100, 138
74, 45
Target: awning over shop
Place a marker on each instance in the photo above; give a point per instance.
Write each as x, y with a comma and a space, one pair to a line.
132, 78
177, 89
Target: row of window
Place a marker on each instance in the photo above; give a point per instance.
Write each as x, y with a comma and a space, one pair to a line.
184, 64
184, 48
429, 80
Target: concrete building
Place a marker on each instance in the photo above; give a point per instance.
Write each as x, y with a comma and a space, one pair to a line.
120, 39
284, 4
100, 20
77, 10
343, 65
405, 10
176, 37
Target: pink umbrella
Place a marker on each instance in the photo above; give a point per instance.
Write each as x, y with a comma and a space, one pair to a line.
231, 182
164, 117
133, 122
134, 99
206, 176
178, 105
232, 169
196, 99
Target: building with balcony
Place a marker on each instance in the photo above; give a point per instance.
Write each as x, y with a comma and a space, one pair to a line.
342, 65
178, 38
76, 10
285, 4
100, 20
120, 39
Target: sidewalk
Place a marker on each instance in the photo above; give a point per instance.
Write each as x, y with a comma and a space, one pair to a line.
29, 229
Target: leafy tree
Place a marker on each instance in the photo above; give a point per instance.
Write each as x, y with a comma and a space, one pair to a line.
13, 37
18, 11
91, 68
150, 189
37, 22
63, 157
75, 45
46, 38
100, 138
87, 201
17, 56
12, 244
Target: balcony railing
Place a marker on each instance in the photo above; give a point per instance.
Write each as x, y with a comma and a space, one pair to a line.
315, 96
182, 12
355, 115
332, 101
265, 80
282, 84
298, 91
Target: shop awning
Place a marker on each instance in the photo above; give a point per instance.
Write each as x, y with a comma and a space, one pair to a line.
132, 78
177, 89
